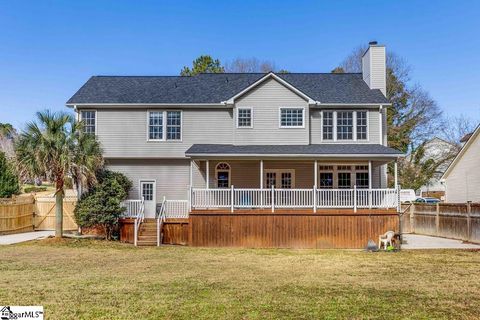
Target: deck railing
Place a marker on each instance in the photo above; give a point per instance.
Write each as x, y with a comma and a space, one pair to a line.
241, 198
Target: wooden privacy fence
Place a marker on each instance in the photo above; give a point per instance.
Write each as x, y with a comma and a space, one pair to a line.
45, 213
450, 220
16, 215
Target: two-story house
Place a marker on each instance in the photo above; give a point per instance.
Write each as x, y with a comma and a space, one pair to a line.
247, 140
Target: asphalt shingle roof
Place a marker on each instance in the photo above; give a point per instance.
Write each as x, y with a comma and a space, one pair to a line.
312, 149
215, 88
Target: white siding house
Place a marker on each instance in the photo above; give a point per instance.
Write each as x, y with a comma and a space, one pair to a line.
462, 178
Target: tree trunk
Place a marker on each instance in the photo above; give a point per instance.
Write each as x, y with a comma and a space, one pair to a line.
59, 210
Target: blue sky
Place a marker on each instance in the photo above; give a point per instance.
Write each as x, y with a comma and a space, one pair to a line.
48, 49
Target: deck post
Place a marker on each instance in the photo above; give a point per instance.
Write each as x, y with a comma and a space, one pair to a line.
135, 232
261, 183
273, 198
354, 198
370, 184
231, 198
207, 171
314, 199
396, 174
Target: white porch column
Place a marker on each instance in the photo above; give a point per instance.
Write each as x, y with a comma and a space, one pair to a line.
396, 174
207, 171
315, 172
369, 174
191, 173
261, 174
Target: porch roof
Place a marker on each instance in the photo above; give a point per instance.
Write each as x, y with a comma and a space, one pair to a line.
311, 150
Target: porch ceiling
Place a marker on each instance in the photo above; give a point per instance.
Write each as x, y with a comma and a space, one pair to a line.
313, 151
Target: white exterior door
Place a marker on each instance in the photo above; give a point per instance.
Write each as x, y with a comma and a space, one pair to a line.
280, 178
148, 192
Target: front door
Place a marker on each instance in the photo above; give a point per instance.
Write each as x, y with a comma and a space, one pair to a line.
280, 178
148, 191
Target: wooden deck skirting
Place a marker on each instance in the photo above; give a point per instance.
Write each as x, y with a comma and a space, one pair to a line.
326, 229
342, 212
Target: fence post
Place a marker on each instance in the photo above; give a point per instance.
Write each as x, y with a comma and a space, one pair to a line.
437, 219
354, 198
315, 199
469, 220
232, 196
412, 218
273, 198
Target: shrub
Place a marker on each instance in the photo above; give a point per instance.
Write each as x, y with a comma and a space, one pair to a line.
101, 205
34, 189
8, 178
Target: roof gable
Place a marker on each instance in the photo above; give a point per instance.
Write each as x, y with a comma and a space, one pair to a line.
475, 135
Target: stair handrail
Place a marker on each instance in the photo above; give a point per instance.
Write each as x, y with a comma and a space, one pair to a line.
160, 217
140, 216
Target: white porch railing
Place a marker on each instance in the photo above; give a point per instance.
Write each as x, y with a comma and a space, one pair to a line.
234, 198
176, 208
135, 209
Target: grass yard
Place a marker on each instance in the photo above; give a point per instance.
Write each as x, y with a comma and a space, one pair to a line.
83, 279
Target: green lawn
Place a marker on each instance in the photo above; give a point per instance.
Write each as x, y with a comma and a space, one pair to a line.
83, 279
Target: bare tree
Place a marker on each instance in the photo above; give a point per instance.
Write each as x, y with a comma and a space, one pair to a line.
250, 65
455, 127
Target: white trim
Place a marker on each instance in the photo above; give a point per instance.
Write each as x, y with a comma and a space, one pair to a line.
251, 118
96, 117
373, 105
277, 78
223, 170
290, 127
164, 126
380, 120
165, 105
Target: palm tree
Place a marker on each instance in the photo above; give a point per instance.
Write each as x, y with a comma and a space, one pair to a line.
55, 147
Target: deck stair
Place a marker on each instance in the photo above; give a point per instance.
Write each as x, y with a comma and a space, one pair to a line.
147, 234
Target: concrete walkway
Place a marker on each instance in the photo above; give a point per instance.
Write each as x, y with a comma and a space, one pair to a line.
415, 241
22, 237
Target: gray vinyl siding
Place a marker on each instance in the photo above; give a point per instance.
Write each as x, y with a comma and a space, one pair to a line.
373, 126
123, 132
266, 101
172, 176
463, 181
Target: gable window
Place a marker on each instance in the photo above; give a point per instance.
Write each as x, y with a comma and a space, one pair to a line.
327, 125
89, 120
291, 117
222, 173
344, 125
164, 125
244, 118
361, 125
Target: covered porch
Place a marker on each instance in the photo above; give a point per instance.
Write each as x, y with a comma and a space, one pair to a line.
314, 183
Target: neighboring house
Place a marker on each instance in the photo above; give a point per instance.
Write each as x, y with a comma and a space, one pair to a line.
440, 151
462, 178
195, 138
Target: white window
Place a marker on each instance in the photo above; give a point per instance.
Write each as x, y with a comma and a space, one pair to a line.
222, 173
89, 121
345, 125
244, 118
361, 176
361, 125
164, 125
291, 117
327, 125
280, 178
